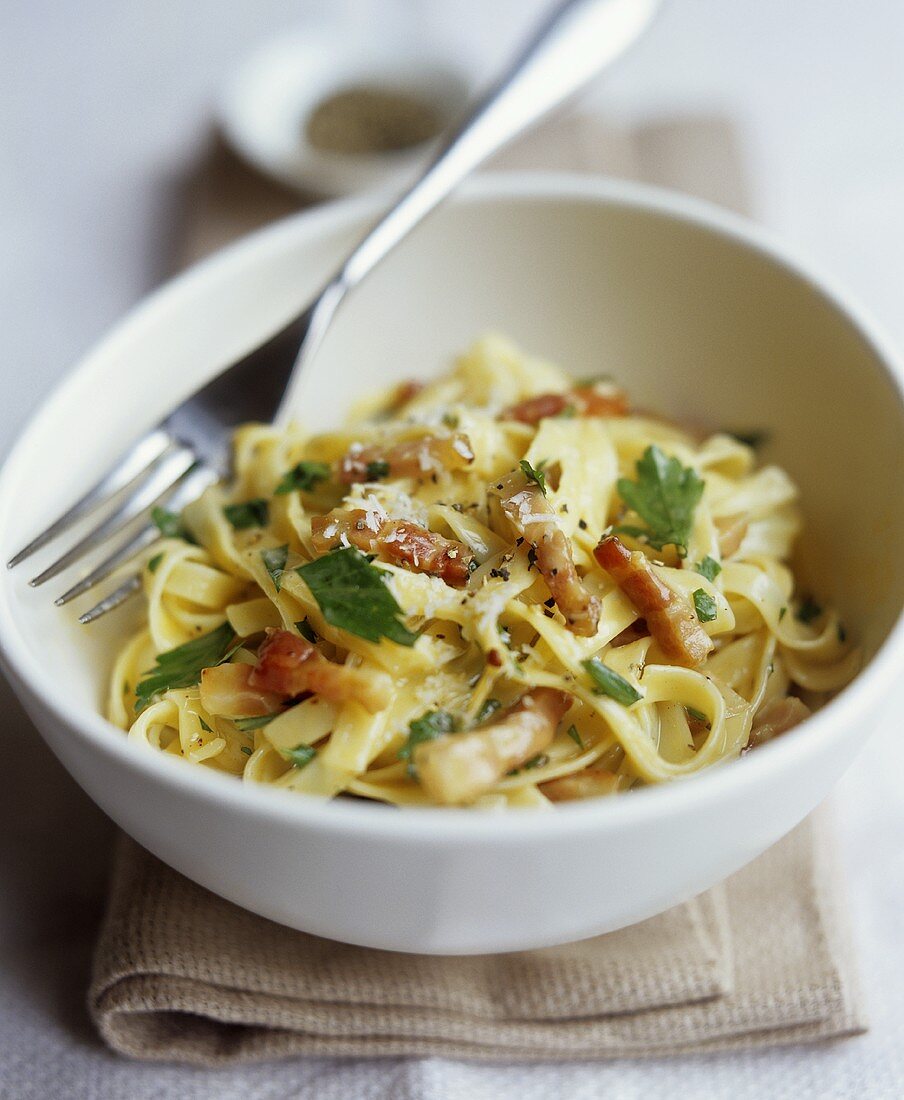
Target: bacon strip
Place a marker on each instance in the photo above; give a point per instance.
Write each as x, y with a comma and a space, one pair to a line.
226, 690
670, 618
585, 401
460, 767
591, 782
776, 718
428, 456
290, 665
398, 541
527, 508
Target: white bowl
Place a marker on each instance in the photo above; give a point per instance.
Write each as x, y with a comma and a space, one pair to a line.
699, 315
264, 108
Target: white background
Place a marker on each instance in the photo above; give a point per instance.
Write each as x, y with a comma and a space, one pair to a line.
104, 107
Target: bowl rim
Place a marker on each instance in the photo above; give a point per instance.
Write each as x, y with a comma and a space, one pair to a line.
440, 826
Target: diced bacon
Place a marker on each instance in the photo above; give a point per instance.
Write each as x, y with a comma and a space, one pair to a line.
776, 718
226, 690
429, 456
345, 527
398, 541
671, 618
290, 665
424, 551
592, 782
406, 391
594, 403
633, 633
583, 401
732, 530
534, 409
459, 767
528, 510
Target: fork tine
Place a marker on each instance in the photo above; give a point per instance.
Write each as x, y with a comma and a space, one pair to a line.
191, 486
135, 462
119, 595
166, 474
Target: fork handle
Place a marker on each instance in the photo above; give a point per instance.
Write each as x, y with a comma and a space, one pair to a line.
578, 39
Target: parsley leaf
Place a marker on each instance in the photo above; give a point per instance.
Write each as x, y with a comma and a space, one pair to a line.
181, 667
664, 495
489, 708
250, 513
154, 562
352, 596
377, 469
575, 734
300, 756
607, 682
538, 475
304, 476
708, 568
705, 606
428, 727
808, 611
274, 561
304, 629
698, 715
538, 761
170, 524
246, 725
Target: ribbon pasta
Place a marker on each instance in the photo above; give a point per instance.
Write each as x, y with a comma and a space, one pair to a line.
479, 648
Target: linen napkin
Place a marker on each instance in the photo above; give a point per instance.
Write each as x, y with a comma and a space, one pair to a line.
763, 959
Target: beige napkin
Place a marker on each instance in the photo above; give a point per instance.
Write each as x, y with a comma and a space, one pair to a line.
181, 974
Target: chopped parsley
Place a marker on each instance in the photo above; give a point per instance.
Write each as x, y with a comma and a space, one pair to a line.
245, 750
154, 562
538, 761
428, 727
607, 682
489, 708
304, 476
808, 611
181, 667
538, 475
250, 513
782, 613
304, 629
377, 470
246, 725
204, 725
692, 712
352, 596
664, 495
705, 606
300, 756
274, 561
575, 734
708, 568
450, 420
170, 524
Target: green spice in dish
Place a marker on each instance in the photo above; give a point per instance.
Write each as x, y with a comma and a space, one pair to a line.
181, 667
665, 496
705, 606
607, 682
304, 476
353, 596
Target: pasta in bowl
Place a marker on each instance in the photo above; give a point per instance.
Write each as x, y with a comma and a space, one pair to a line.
504, 588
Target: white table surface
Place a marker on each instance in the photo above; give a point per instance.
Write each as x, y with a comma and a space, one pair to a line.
103, 105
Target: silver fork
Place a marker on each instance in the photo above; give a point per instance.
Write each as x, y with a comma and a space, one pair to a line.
190, 448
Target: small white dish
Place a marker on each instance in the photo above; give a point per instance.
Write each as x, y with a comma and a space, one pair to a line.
700, 314
264, 110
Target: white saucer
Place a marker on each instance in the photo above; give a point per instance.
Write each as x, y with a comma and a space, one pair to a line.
262, 111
